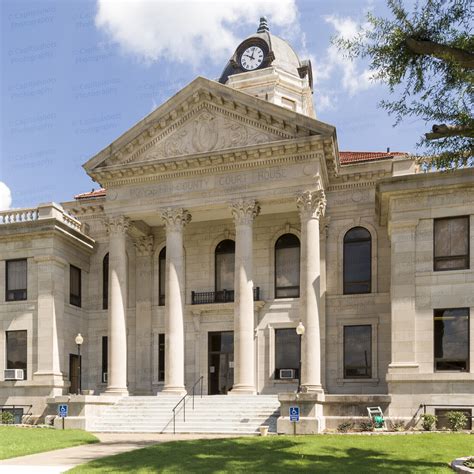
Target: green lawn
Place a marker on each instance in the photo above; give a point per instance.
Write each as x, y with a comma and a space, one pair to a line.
354, 454
16, 441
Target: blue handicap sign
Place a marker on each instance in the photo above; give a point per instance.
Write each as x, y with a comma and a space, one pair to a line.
63, 410
294, 413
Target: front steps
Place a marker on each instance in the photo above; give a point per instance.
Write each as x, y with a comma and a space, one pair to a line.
236, 414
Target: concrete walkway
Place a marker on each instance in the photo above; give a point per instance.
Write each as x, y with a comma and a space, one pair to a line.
62, 460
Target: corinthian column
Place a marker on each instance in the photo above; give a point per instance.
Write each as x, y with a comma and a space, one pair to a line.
117, 370
175, 220
244, 212
311, 205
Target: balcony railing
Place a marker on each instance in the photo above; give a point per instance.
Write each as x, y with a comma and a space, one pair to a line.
222, 296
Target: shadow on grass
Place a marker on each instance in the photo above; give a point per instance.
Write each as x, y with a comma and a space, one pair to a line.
275, 454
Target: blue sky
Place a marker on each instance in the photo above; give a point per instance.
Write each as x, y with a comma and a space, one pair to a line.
77, 74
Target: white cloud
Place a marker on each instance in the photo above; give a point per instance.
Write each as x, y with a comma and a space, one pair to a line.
186, 31
5, 197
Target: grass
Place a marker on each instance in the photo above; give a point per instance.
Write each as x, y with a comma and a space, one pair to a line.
15, 441
427, 453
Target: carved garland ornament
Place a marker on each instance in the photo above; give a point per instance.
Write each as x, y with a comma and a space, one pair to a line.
245, 211
311, 204
117, 225
175, 219
144, 246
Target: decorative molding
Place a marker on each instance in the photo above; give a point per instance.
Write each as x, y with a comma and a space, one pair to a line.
244, 211
175, 218
311, 204
144, 246
117, 225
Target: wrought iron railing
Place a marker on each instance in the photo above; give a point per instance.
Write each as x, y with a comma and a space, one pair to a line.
221, 296
182, 401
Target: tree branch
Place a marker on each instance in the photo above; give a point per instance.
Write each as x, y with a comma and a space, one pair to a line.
441, 51
443, 130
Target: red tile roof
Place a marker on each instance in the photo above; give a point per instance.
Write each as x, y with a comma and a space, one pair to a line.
346, 157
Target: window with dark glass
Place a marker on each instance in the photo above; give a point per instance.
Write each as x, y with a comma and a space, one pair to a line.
75, 285
105, 358
287, 351
357, 352
451, 243
287, 267
16, 277
357, 261
105, 282
162, 276
161, 357
17, 351
451, 339
224, 270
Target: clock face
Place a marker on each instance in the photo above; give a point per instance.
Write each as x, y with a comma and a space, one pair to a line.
251, 58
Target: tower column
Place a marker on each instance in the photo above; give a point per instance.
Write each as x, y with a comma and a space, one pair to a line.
311, 205
175, 220
244, 212
117, 316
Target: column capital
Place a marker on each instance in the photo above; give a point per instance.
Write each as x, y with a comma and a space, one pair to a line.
117, 225
311, 204
144, 245
244, 211
175, 218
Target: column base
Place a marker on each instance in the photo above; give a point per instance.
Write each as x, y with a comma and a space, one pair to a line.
173, 390
243, 390
116, 391
307, 388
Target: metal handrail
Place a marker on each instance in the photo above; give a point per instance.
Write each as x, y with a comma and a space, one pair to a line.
183, 401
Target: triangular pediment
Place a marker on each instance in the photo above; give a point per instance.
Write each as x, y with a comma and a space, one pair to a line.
204, 117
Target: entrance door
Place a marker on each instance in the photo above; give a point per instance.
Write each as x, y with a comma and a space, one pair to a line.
221, 362
74, 368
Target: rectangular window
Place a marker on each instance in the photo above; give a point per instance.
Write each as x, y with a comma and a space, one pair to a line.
357, 352
75, 286
17, 348
451, 339
287, 353
16, 277
451, 243
161, 357
105, 358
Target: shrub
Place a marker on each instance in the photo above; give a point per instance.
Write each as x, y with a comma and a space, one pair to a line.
366, 426
7, 418
345, 427
428, 421
457, 420
398, 425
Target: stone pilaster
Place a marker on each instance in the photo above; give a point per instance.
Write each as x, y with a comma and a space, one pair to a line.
117, 228
143, 314
311, 206
175, 221
244, 213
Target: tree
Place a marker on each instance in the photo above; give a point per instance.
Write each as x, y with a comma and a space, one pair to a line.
429, 55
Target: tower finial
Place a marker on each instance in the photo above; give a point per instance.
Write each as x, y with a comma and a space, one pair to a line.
263, 26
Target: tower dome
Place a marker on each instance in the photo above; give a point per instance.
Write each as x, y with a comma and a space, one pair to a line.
266, 66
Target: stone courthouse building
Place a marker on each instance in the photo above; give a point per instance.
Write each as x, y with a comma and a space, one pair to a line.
225, 218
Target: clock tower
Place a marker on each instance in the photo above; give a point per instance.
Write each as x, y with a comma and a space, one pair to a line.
267, 67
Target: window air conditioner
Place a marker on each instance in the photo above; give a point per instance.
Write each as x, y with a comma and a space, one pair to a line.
14, 374
104, 377
287, 373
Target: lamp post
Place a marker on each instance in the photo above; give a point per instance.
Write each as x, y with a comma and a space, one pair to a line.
300, 331
79, 340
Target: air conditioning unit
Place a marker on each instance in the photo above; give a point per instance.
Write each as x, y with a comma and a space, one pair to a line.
104, 377
287, 373
14, 374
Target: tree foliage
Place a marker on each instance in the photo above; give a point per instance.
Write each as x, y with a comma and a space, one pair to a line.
426, 56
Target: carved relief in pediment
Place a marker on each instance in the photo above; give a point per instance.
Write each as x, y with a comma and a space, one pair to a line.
209, 131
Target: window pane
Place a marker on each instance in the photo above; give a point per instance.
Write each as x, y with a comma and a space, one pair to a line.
225, 265
451, 339
357, 351
17, 350
105, 282
16, 280
75, 285
357, 261
451, 243
162, 276
287, 266
161, 357
442, 238
105, 356
287, 351
459, 236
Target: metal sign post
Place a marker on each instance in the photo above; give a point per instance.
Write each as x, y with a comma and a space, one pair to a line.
63, 412
294, 417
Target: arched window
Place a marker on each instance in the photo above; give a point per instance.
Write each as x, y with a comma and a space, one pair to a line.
287, 267
105, 282
162, 276
357, 261
224, 266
